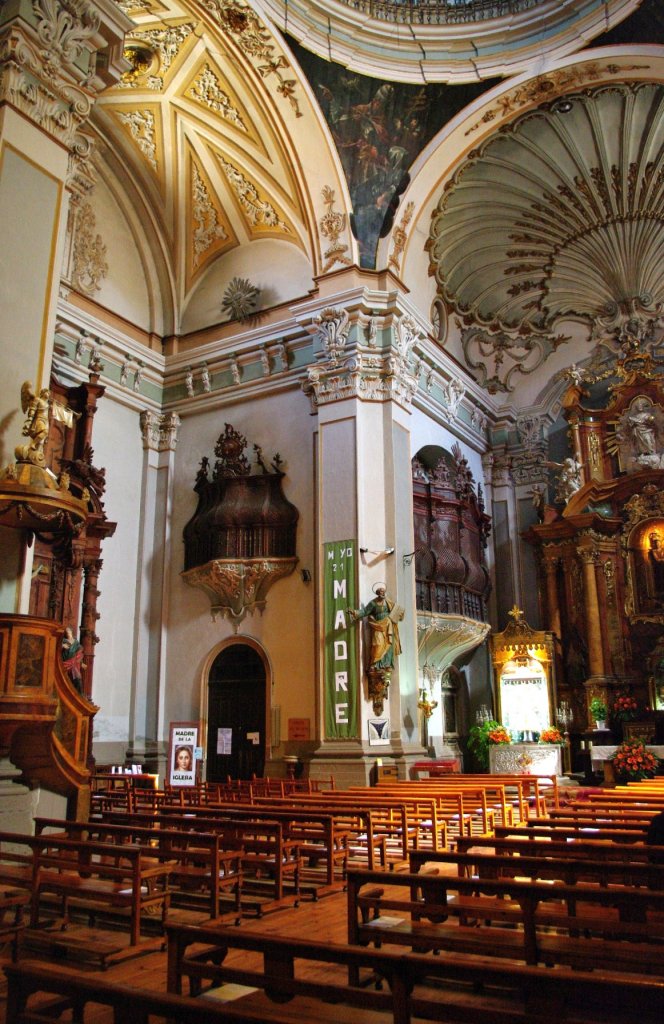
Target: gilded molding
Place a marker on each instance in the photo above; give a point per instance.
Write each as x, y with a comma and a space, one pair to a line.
399, 238
544, 88
89, 254
166, 43
239, 20
141, 126
207, 229
48, 64
206, 90
332, 225
259, 212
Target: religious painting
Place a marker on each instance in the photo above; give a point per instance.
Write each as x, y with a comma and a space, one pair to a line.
181, 754
379, 129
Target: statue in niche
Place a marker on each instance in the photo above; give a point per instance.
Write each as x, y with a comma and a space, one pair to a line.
640, 436
656, 560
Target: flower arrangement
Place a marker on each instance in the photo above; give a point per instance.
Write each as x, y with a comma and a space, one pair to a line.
632, 761
624, 708
499, 735
479, 740
551, 735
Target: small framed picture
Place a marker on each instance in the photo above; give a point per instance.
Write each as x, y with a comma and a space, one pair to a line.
182, 763
379, 731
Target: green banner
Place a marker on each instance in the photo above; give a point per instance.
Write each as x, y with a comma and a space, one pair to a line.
341, 694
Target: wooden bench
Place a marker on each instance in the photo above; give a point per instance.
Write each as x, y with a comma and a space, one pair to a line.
12, 904
128, 1003
487, 799
199, 862
577, 847
97, 874
465, 810
458, 989
266, 852
570, 870
584, 927
319, 835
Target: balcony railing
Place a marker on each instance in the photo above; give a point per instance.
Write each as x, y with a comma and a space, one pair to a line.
440, 12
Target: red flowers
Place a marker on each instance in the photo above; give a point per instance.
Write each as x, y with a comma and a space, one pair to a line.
551, 735
624, 707
632, 761
499, 735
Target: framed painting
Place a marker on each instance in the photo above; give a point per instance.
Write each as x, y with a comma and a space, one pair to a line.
182, 763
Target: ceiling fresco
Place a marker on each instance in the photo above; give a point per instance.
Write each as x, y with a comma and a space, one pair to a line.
379, 128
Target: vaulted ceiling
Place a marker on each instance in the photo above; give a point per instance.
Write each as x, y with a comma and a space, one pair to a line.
556, 213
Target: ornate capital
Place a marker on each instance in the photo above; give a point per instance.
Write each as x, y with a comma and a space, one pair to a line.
159, 433
56, 58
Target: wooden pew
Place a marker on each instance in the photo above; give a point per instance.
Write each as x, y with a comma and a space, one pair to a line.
519, 844
569, 869
464, 809
128, 1003
266, 851
598, 829
518, 993
199, 862
593, 925
98, 874
12, 904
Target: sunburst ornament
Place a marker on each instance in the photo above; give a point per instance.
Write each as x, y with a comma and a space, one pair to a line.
240, 299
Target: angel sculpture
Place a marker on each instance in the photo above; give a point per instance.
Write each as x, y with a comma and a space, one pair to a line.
35, 406
570, 478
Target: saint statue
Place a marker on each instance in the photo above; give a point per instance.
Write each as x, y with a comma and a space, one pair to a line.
72, 658
383, 617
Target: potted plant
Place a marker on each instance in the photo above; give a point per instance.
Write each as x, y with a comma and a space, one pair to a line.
632, 761
599, 711
481, 737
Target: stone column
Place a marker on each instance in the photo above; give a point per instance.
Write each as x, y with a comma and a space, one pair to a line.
146, 722
55, 58
361, 390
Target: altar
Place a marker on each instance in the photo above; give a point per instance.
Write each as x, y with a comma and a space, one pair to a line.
525, 759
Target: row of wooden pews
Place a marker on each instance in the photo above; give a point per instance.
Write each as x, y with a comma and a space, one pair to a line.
536, 915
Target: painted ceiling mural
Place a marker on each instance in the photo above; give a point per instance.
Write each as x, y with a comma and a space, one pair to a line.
379, 128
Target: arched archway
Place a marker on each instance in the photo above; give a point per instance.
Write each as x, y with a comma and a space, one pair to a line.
237, 702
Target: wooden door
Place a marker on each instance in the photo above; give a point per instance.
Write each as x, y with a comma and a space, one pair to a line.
236, 702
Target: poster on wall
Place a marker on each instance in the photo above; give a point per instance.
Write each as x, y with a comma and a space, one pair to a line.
341, 663
181, 750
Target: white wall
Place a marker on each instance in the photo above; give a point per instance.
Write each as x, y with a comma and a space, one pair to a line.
286, 628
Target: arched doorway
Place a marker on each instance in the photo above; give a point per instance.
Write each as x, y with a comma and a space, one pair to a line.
236, 703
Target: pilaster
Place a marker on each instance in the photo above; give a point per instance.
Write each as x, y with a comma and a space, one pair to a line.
361, 388
146, 724
56, 56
